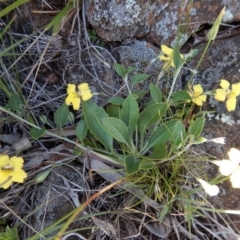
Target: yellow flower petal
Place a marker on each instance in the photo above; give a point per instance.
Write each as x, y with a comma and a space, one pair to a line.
86, 95
231, 104
236, 89
71, 88
7, 184
197, 89
164, 58
83, 86
18, 175
16, 162
4, 175
4, 160
200, 100
69, 99
166, 50
76, 103
224, 84
220, 94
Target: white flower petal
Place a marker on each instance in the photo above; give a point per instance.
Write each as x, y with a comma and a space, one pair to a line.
220, 140
226, 167
234, 155
211, 190
235, 178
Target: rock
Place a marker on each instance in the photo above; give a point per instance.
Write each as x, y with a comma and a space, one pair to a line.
52, 198
159, 21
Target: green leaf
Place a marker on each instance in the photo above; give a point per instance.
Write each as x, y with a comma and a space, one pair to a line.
151, 115
155, 93
114, 111
191, 54
93, 115
161, 135
120, 69
9, 234
159, 152
139, 78
178, 133
12, 6
181, 96
212, 33
117, 129
41, 177
116, 100
147, 164
71, 118
130, 113
57, 20
81, 130
177, 59
37, 133
196, 126
14, 102
130, 69
164, 211
61, 116
138, 95
131, 164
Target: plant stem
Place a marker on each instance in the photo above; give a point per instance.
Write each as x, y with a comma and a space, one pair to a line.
200, 61
126, 82
174, 82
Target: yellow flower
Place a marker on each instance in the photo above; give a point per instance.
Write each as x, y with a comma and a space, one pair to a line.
11, 171
74, 97
197, 95
221, 94
167, 56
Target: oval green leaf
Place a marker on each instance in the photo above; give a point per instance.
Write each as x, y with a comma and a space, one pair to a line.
81, 130
93, 115
196, 126
132, 164
181, 96
147, 164
159, 152
130, 113
155, 93
37, 133
117, 129
121, 71
151, 115
61, 116
139, 78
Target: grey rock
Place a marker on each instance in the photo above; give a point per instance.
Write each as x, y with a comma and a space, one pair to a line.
159, 21
52, 197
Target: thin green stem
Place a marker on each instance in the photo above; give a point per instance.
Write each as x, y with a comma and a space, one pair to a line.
126, 82
174, 82
200, 61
